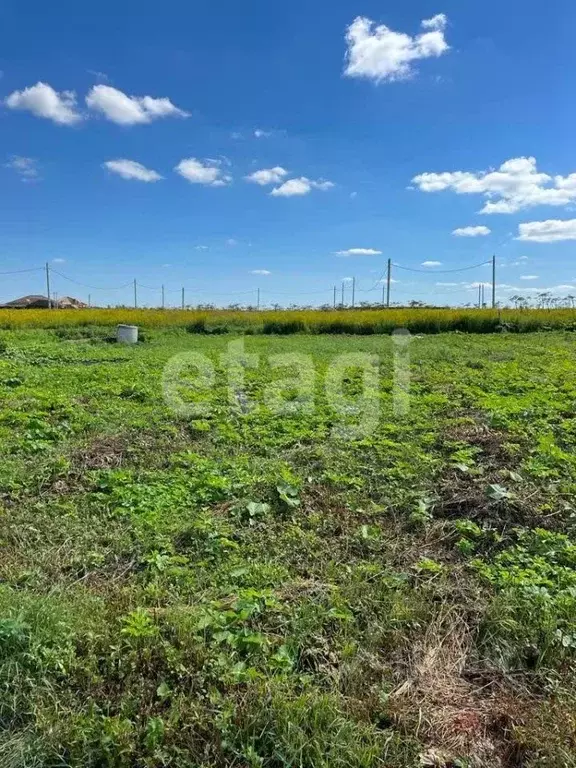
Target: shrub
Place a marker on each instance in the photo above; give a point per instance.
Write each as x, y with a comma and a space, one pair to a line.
284, 326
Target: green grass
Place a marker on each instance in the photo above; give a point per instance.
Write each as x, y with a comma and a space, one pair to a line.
241, 589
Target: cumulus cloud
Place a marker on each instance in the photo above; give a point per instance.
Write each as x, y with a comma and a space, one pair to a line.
359, 252
260, 272
130, 169
516, 185
376, 52
25, 167
529, 277
550, 231
130, 110
98, 75
208, 172
540, 289
268, 176
260, 134
43, 101
471, 231
58, 261
301, 186
431, 264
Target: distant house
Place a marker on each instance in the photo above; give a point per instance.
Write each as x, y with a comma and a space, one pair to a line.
42, 302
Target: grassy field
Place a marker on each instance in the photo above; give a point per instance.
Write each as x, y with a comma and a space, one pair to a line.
243, 589
350, 321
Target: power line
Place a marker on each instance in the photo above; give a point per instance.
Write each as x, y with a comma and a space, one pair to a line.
380, 283
212, 293
148, 287
92, 287
22, 271
442, 271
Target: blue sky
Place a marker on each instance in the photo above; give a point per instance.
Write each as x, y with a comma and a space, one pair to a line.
383, 139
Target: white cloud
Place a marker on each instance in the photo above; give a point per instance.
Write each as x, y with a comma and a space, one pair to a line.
471, 231
431, 264
551, 231
301, 186
206, 172
379, 53
200, 247
524, 289
43, 101
322, 185
436, 22
529, 277
130, 110
231, 242
347, 279
359, 252
58, 261
260, 272
260, 134
25, 167
98, 75
293, 187
516, 185
268, 176
447, 284
130, 169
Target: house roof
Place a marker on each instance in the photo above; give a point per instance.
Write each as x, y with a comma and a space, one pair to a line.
33, 299
24, 301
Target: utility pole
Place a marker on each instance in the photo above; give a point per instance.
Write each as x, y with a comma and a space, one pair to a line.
479, 295
89, 299
494, 282
163, 302
183, 298
353, 291
483, 295
48, 286
258, 299
334, 297
342, 303
388, 280
135, 295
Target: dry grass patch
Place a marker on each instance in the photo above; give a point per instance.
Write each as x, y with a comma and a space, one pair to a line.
453, 716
